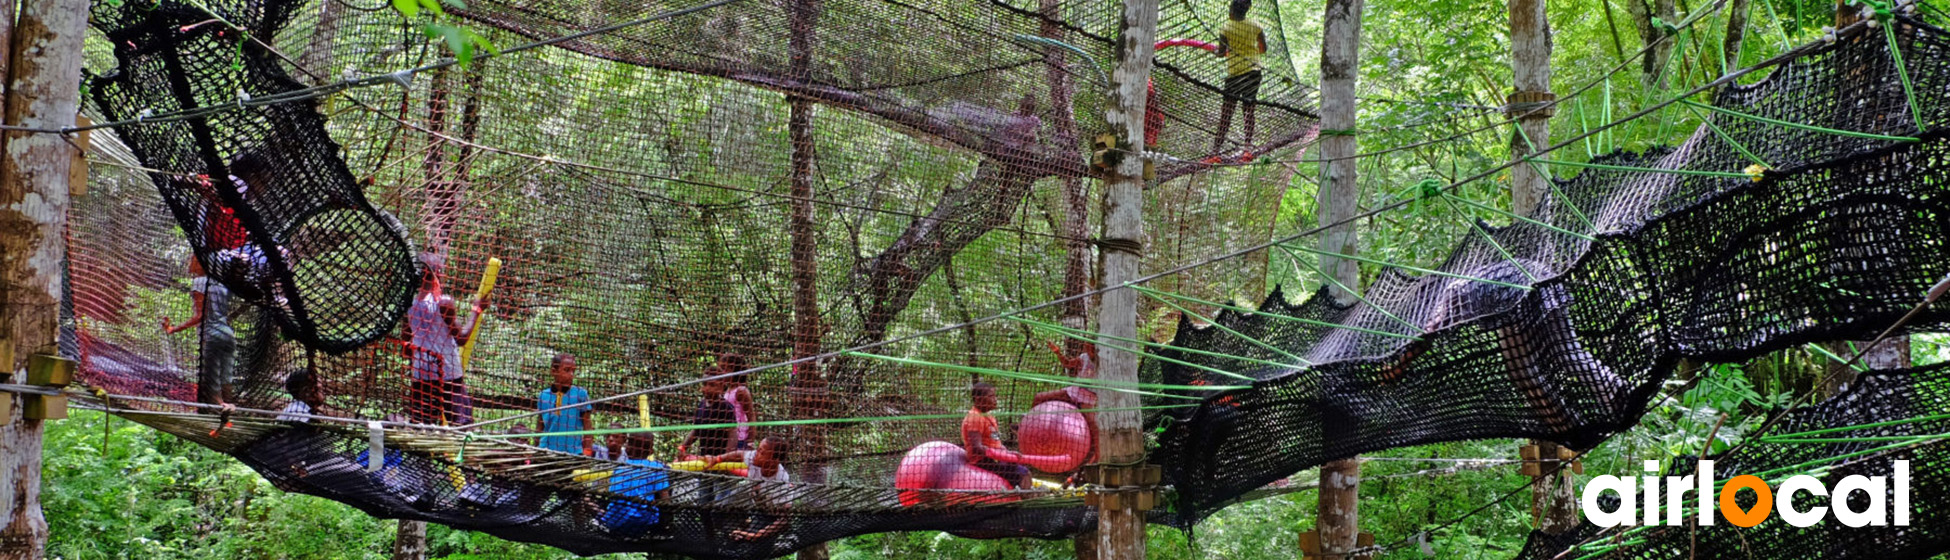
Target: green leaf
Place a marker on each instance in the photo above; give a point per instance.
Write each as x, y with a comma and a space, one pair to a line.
434, 6
408, 8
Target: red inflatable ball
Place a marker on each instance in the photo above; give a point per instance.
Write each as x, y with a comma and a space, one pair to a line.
939, 465
1054, 438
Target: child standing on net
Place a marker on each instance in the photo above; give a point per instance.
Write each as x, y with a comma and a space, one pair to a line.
564, 393
1241, 43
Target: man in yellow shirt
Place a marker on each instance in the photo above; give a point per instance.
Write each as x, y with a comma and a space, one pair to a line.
1241, 43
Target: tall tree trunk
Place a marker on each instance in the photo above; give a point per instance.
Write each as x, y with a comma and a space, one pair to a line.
1736, 33
1120, 438
43, 67
1655, 61
410, 543
1553, 496
442, 207
1338, 521
809, 396
316, 61
1076, 208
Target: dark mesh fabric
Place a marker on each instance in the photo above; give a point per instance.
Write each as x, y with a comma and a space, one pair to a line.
262, 193
1885, 398
640, 189
1837, 242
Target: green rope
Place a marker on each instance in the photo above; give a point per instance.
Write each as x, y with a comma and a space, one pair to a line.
1532, 221
1102, 78
1337, 132
1478, 228
1855, 427
1093, 338
1324, 276
1221, 326
1304, 321
1645, 169
1799, 126
1573, 207
811, 421
1862, 439
1411, 268
1728, 138
1902, 70
1059, 379
1838, 359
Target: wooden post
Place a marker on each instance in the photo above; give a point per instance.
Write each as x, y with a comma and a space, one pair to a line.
43, 69
1338, 521
1120, 438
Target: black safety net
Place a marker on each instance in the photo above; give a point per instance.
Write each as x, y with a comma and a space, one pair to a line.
1884, 416
1540, 330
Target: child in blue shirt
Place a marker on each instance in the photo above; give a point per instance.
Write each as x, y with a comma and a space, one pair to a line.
564, 393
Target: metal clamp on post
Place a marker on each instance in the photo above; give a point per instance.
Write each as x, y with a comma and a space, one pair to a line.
1531, 104
1310, 545
48, 371
1133, 487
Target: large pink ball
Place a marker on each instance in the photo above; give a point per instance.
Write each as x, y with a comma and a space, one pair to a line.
939, 465
1054, 437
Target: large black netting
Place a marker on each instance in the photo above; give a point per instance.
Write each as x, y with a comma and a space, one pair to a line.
1860, 433
683, 196
638, 188
262, 193
1553, 337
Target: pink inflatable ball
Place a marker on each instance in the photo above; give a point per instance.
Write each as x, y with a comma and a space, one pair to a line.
1054, 437
939, 465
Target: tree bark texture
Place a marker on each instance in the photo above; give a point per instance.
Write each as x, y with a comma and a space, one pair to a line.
43, 68
1338, 520
1655, 61
410, 543
808, 386
1120, 440
1737, 13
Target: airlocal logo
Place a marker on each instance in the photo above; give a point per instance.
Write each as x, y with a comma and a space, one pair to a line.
1643, 495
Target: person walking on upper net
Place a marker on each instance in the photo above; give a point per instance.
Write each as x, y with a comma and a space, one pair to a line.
563, 393
985, 451
437, 394
217, 356
1241, 43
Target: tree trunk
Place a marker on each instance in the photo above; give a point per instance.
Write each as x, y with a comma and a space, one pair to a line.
1655, 61
1553, 497
316, 61
1076, 263
808, 386
410, 543
43, 68
1736, 32
442, 208
1120, 438
1338, 521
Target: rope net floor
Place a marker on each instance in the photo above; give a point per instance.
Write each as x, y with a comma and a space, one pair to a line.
659, 213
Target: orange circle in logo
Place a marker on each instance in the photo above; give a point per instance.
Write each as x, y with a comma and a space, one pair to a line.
1762, 507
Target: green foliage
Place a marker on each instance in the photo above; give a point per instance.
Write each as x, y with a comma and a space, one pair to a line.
460, 40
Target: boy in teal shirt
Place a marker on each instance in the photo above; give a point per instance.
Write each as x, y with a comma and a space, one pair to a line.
564, 393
